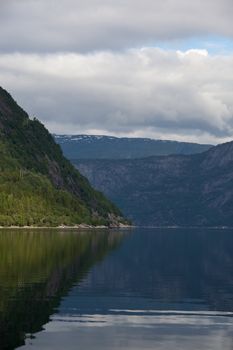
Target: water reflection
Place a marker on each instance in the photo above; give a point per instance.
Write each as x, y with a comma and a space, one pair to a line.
142, 289
179, 269
37, 269
162, 289
105, 332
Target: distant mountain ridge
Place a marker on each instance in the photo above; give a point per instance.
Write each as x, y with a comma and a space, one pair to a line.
110, 147
38, 185
175, 190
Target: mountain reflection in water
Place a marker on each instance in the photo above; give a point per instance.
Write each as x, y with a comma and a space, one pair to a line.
163, 289
37, 269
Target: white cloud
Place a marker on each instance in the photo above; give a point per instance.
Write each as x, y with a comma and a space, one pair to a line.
193, 53
139, 92
87, 25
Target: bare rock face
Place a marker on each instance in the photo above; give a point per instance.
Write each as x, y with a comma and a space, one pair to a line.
178, 190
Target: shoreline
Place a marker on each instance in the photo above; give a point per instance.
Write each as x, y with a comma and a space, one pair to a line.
64, 227
120, 226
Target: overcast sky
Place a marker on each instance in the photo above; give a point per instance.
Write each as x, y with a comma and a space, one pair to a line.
162, 69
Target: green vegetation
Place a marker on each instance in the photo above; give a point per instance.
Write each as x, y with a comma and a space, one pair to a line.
31, 199
38, 186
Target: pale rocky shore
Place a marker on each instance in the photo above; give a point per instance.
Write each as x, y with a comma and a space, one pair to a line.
80, 226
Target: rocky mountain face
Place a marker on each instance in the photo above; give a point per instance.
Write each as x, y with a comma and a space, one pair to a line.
108, 147
38, 185
177, 190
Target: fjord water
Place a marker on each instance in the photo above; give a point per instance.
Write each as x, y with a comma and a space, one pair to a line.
133, 289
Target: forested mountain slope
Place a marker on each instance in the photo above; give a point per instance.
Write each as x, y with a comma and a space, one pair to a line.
38, 185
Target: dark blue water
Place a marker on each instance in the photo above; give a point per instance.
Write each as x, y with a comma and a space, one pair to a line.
133, 289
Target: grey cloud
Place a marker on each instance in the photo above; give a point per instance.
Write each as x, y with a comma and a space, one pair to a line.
81, 26
138, 92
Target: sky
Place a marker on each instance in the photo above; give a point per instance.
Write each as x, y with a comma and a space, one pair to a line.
159, 69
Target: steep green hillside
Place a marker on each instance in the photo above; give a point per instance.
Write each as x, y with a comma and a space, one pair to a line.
38, 186
194, 190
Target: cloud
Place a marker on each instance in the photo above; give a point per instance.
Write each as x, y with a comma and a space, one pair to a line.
99, 25
140, 92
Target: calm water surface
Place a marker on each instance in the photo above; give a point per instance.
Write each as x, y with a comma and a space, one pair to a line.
132, 289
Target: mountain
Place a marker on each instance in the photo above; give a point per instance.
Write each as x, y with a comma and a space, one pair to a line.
38, 186
109, 147
176, 190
